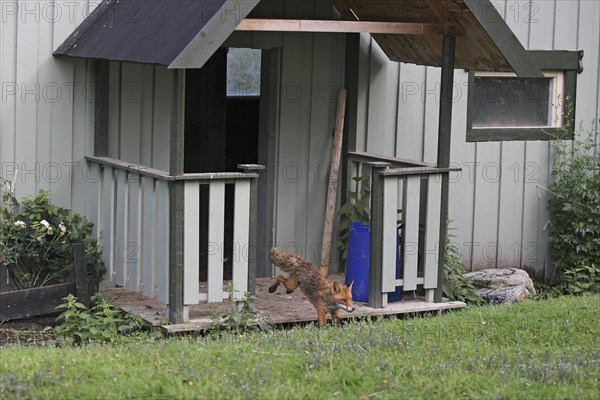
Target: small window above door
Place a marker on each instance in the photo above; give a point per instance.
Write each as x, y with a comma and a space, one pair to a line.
243, 72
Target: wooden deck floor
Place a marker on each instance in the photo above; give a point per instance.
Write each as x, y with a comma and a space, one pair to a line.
279, 307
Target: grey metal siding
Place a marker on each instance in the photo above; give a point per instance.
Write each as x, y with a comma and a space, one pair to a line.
46, 109
312, 73
140, 113
497, 207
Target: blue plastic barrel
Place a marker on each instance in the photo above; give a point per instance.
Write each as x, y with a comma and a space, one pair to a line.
358, 262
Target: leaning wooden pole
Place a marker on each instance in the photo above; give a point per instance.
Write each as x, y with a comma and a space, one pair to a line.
333, 181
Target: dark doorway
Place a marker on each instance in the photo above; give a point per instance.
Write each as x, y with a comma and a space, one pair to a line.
221, 132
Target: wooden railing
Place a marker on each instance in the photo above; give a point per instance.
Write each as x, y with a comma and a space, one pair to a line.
415, 188
134, 221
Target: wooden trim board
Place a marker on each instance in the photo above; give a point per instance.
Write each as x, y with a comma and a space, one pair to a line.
336, 26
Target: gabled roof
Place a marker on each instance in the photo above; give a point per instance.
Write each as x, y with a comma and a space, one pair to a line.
173, 33
185, 33
487, 42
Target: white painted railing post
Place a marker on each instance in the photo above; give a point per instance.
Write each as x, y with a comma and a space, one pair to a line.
252, 252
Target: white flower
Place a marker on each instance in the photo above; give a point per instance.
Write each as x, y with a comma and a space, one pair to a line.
45, 223
63, 229
39, 239
20, 224
50, 231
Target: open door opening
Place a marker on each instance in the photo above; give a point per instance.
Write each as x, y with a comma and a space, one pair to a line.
222, 126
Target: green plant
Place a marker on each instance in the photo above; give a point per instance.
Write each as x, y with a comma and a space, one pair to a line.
575, 212
36, 240
240, 317
356, 209
101, 323
455, 284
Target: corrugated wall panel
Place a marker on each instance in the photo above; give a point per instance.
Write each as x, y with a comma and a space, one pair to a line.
140, 113
312, 73
39, 96
161, 115
462, 184
77, 117
146, 117
510, 210
293, 141
383, 103
26, 133
322, 121
48, 90
432, 114
411, 114
130, 106
8, 80
496, 206
588, 39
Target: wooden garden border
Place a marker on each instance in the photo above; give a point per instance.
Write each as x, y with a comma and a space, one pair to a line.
38, 301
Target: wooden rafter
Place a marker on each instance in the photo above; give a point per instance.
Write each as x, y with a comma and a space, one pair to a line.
397, 28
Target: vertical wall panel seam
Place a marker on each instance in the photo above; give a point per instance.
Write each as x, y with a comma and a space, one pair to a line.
546, 214
368, 90
474, 206
119, 109
578, 23
37, 114
554, 26
499, 203
522, 245
424, 106
396, 130
73, 116
152, 116
529, 25
311, 104
16, 53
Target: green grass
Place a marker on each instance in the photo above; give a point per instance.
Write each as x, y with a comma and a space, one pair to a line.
537, 349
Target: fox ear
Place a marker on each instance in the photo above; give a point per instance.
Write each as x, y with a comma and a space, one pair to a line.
336, 286
350, 285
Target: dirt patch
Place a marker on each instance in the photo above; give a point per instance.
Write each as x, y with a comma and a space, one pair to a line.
37, 331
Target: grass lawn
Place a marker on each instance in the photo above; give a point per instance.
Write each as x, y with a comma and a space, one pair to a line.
533, 350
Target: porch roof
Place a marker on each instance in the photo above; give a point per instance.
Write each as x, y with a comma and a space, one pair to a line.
185, 33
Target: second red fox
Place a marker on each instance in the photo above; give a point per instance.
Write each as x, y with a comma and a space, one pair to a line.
325, 296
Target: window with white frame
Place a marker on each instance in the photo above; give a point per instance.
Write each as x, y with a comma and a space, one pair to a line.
503, 106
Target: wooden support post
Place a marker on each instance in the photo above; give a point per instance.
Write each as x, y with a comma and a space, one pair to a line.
444, 135
334, 167
252, 245
176, 202
81, 282
376, 251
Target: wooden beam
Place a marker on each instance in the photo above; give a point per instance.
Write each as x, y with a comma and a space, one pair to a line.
443, 156
397, 28
176, 202
503, 37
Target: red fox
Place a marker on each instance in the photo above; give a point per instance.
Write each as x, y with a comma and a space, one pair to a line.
325, 296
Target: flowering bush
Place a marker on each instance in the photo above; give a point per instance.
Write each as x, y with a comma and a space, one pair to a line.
36, 239
575, 212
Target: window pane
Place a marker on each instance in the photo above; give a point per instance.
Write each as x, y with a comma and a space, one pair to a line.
243, 72
511, 102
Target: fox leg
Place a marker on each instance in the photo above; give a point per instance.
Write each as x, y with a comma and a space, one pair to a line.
321, 313
335, 317
290, 284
